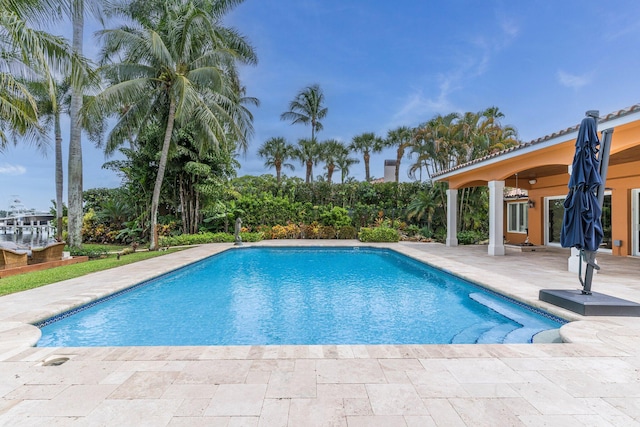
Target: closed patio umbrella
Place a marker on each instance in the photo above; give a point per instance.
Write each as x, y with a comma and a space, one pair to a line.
582, 222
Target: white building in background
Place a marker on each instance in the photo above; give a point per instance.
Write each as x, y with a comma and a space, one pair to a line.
389, 171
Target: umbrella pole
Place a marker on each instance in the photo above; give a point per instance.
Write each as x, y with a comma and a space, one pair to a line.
590, 256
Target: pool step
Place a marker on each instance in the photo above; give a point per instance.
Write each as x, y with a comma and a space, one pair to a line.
519, 335
470, 334
497, 334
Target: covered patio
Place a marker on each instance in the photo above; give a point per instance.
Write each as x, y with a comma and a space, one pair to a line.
542, 168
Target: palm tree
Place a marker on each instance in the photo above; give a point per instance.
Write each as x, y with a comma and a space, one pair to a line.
308, 153
25, 53
344, 162
401, 138
366, 144
180, 68
49, 111
330, 151
75, 10
276, 152
74, 191
307, 108
423, 206
436, 144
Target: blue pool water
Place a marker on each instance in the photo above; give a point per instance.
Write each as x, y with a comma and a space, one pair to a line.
299, 296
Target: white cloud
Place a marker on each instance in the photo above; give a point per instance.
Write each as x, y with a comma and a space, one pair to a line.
418, 108
13, 170
509, 28
573, 80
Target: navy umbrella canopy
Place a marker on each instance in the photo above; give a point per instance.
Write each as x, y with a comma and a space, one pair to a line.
582, 224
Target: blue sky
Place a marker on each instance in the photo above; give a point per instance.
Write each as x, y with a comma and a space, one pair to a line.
387, 64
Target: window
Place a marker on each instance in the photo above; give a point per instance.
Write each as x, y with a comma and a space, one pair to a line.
517, 217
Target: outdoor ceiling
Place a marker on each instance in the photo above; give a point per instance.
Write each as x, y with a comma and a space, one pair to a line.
626, 156
541, 171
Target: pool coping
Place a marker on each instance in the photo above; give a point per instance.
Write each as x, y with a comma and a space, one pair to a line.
17, 331
373, 249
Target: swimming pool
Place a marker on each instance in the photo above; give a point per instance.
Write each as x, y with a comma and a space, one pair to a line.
264, 296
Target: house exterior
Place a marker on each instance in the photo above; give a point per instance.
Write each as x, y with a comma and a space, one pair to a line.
542, 168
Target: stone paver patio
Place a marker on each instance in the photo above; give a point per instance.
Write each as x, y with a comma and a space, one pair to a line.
592, 380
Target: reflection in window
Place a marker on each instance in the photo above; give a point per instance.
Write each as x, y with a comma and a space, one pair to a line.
517, 217
555, 213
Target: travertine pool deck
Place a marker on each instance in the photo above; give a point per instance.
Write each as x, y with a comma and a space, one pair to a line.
593, 380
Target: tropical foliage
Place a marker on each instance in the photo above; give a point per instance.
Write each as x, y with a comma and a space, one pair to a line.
171, 84
176, 64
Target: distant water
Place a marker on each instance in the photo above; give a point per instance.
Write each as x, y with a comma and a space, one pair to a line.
33, 240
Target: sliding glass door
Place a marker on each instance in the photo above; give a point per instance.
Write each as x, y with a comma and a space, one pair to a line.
554, 211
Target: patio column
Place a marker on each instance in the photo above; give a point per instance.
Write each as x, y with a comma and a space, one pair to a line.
452, 218
496, 218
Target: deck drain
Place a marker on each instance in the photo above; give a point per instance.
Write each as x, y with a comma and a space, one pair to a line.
55, 361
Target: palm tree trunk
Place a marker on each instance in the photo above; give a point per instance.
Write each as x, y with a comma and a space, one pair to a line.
164, 155
183, 206
309, 171
196, 213
75, 143
59, 176
367, 177
329, 173
398, 160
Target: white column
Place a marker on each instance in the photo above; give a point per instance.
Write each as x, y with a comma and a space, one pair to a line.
452, 218
496, 218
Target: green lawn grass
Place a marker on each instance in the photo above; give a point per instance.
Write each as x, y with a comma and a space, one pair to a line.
22, 282
101, 247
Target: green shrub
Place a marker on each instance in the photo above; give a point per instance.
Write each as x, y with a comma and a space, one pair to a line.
336, 217
426, 232
201, 238
470, 237
412, 230
252, 237
93, 253
378, 234
347, 232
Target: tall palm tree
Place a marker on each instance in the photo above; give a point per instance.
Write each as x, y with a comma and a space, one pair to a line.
401, 138
307, 108
182, 69
308, 153
75, 10
330, 151
50, 110
74, 163
276, 152
366, 144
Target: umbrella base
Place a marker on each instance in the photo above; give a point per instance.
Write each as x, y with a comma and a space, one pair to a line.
594, 304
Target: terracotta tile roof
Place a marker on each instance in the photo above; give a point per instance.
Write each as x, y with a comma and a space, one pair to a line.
610, 116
